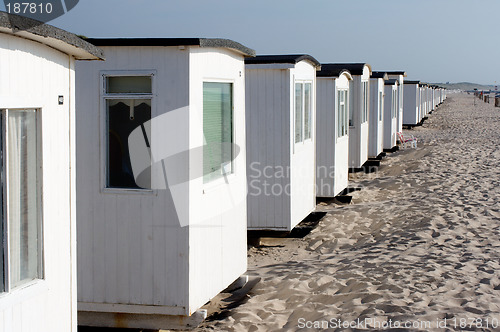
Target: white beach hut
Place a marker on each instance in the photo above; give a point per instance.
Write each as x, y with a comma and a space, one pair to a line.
37, 142
411, 111
423, 105
423, 100
376, 124
332, 130
359, 100
162, 180
281, 140
390, 114
399, 75
428, 100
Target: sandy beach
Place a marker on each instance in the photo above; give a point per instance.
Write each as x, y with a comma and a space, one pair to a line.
419, 244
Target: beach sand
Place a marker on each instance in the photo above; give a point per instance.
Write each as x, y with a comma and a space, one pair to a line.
419, 243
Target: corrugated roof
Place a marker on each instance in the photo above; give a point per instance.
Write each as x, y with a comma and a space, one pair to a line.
282, 58
201, 42
59, 39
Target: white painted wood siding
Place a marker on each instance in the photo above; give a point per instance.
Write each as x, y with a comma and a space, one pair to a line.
131, 246
342, 145
303, 161
376, 125
268, 114
411, 107
332, 152
358, 133
326, 135
400, 78
217, 246
131, 249
33, 76
390, 123
273, 158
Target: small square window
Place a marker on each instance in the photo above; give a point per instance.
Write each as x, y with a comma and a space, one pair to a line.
129, 84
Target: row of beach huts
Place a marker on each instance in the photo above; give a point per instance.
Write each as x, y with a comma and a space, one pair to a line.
132, 169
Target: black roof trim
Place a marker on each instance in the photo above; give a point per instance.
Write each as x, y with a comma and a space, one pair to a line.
327, 70
379, 74
392, 81
283, 58
353, 68
19, 24
396, 72
201, 42
411, 82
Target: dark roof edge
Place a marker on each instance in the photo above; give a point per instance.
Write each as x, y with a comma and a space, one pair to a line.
354, 68
285, 58
37, 31
379, 74
391, 81
332, 73
201, 42
411, 82
396, 72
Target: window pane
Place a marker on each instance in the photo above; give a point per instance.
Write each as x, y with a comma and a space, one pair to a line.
362, 102
128, 84
338, 115
23, 215
217, 130
347, 112
364, 113
393, 109
380, 105
298, 112
351, 115
342, 116
307, 111
123, 117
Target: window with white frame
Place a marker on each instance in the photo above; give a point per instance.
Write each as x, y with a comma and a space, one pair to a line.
342, 112
364, 105
21, 259
128, 100
303, 111
217, 130
380, 105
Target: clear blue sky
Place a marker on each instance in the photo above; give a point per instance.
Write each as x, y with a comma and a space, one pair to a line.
433, 40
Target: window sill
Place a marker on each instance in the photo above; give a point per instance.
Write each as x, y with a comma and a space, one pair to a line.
22, 293
342, 138
128, 191
216, 184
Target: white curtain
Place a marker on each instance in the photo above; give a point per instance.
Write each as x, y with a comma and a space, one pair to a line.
22, 196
